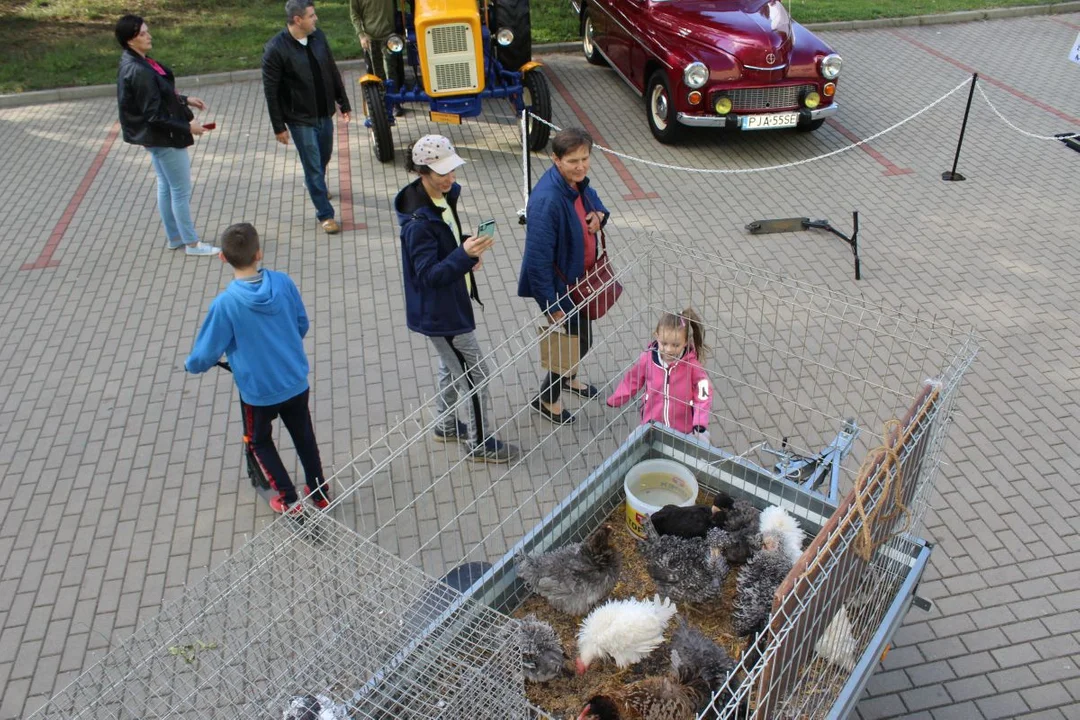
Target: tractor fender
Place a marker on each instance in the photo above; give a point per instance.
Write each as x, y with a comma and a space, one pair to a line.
368, 78
531, 65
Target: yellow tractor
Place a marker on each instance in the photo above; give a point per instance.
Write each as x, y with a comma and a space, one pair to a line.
461, 52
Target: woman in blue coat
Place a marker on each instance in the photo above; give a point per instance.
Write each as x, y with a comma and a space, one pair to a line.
440, 260
562, 244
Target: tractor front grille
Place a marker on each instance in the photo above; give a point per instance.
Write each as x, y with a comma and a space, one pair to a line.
447, 39
767, 98
454, 76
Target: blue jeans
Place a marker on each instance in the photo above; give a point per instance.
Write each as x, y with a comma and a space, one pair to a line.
315, 143
173, 168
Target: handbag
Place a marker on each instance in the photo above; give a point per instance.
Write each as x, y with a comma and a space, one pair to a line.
598, 289
560, 352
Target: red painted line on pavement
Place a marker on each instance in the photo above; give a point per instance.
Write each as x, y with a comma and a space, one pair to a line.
1066, 23
891, 168
993, 81
345, 178
636, 193
44, 260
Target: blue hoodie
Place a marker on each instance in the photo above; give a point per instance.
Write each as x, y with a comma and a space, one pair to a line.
260, 327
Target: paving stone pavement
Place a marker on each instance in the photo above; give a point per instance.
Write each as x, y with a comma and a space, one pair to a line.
120, 474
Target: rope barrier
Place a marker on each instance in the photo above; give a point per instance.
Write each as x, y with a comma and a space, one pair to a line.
743, 171
1019, 130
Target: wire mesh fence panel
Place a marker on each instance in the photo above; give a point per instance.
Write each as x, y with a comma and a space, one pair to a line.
312, 611
812, 401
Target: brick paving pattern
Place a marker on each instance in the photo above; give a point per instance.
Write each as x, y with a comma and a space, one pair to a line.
119, 474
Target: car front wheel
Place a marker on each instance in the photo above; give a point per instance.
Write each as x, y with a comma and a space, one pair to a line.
660, 110
588, 45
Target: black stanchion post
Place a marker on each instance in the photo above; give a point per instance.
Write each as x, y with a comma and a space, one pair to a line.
952, 175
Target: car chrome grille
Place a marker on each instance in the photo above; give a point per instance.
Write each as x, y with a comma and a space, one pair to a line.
448, 39
454, 76
762, 99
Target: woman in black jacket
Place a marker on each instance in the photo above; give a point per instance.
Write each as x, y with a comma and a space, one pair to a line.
154, 115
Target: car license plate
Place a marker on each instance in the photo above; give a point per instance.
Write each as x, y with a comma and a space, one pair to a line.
445, 117
770, 121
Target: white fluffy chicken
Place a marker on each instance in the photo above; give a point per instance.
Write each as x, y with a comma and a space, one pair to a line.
776, 520
624, 630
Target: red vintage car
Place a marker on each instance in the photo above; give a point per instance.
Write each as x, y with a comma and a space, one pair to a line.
713, 63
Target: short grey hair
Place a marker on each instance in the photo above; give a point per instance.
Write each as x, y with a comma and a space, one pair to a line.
296, 8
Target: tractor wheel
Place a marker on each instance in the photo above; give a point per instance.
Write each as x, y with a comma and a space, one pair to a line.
588, 46
382, 142
513, 14
537, 98
660, 108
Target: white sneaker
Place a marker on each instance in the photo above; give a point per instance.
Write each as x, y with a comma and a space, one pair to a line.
201, 248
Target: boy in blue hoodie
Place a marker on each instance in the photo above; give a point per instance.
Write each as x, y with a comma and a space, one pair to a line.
259, 322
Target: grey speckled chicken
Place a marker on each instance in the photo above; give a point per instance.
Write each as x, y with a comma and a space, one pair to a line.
654, 698
693, 654
542, 655
685, 569
758, 580
740, 520
574, 577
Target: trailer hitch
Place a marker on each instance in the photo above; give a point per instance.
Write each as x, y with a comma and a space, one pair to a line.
766, 227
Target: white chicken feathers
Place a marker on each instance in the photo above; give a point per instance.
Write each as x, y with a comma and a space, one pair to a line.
776, 520
625, 630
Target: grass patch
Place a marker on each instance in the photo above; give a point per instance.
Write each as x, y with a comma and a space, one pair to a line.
58, 43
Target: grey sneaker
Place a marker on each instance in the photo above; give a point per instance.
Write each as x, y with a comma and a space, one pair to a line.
495, 451
201, 248
458, 434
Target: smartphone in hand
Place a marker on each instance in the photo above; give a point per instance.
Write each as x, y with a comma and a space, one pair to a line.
209, 126
486, 228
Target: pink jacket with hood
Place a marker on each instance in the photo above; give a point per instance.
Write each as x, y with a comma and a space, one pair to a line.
678, 395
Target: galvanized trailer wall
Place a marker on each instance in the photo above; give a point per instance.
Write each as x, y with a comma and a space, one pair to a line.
789, 361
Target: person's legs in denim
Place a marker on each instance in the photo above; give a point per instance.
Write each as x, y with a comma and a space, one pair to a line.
173, 168
315, 143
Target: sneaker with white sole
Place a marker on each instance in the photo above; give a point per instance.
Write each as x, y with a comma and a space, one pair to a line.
201, 248
495, 451
175, 245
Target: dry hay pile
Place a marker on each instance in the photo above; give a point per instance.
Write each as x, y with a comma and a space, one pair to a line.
565, 696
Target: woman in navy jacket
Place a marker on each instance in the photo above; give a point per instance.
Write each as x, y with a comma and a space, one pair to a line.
154, 115
565, 216
440, 260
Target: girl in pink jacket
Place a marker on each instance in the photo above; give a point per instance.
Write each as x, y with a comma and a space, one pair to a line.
677, 390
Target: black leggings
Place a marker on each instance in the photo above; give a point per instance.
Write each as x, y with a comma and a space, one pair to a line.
577, 323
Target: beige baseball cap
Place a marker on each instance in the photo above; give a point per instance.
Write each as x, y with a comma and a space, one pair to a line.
436, 152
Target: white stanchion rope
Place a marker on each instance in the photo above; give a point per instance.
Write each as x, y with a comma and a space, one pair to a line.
743, 171
1019, 130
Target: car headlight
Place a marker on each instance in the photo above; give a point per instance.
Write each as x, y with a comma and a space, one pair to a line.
811, 99
830, 66
504, 37
695, 75
395, 43
722, 105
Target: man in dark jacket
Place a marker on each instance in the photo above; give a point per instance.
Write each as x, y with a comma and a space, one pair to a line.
440, 261
302, 85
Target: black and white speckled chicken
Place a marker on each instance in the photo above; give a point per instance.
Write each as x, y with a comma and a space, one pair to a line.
542, 654
654, 698
739, 520
685, 569
575, 577
694, 653
314, 707
757, 582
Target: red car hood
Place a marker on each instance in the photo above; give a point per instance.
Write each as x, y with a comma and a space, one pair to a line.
750, 30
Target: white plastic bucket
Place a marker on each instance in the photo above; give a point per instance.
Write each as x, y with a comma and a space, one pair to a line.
652, 484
